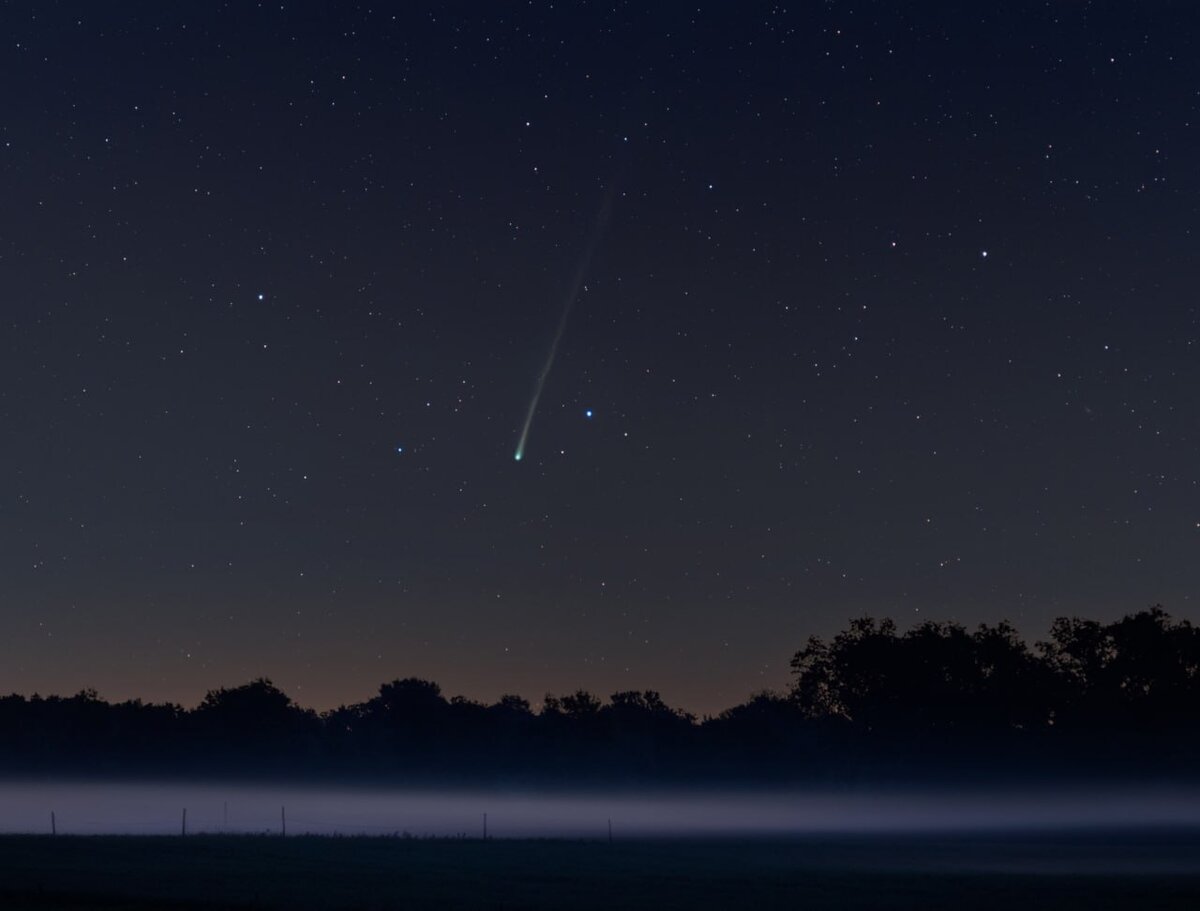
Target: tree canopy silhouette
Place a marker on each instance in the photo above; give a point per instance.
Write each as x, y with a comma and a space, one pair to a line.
934, 700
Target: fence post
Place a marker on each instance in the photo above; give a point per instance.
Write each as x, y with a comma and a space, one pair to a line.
53, 824
283, 821
183, 824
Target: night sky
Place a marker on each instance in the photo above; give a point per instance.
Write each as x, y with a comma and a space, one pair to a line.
884, 308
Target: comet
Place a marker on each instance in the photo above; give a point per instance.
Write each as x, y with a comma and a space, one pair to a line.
576, 286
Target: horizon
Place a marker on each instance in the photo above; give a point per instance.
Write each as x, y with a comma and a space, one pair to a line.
535, 698
1042, 648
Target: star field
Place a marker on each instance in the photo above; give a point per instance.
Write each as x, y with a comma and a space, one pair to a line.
895, 313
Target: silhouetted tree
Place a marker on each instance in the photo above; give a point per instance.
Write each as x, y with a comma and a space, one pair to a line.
1140, 671
254, 719
580, 705
935, 677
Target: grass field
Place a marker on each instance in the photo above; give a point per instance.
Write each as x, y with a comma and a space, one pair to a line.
1131, 870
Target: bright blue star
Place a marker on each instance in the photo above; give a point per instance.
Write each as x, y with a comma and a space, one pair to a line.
588, 413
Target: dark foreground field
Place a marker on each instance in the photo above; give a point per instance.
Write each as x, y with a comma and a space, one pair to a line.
1146, 870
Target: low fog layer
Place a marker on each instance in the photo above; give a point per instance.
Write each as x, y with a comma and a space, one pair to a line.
100, 808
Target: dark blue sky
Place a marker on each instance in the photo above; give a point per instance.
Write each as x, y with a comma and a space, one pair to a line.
895, 313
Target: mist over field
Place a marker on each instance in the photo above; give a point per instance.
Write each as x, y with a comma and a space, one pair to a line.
93, 808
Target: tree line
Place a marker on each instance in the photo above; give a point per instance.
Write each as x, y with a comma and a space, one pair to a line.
937, 701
